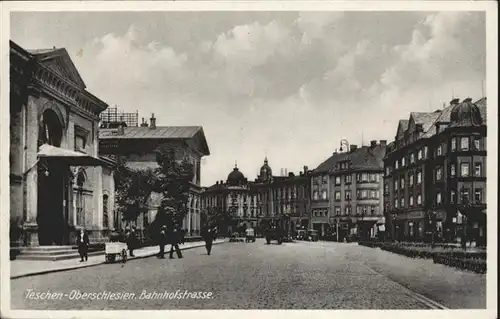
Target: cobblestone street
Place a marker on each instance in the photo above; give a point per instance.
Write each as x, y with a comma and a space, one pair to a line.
297, 275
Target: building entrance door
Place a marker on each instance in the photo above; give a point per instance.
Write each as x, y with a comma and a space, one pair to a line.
51, 212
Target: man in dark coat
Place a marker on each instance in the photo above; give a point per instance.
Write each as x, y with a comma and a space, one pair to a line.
83, 245
175, 235
162, 240
131, 241
208, 235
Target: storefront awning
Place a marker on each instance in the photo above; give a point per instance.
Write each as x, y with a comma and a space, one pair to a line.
69, 157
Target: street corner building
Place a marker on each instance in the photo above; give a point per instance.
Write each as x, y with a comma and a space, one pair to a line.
120, 134
282, 200
346, 193
58, 182
435, 175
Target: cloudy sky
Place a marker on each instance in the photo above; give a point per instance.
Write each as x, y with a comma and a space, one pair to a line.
288, 85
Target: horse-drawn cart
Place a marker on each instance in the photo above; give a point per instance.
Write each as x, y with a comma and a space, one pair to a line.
115, 250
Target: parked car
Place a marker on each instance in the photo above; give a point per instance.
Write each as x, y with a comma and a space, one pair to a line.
312, 235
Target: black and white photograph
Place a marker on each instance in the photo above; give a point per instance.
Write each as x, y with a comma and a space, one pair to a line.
196, 156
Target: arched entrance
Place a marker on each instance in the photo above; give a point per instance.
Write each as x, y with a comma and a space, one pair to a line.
52, 185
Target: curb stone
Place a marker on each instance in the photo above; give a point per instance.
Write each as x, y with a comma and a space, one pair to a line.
43, 272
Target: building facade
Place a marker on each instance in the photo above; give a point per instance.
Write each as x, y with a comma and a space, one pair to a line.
138, 145
347, 193
268, 199
58, 183
435, 175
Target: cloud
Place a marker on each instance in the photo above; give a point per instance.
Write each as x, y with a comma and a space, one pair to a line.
285, 84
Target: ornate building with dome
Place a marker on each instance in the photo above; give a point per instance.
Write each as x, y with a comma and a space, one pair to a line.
435, 175
267, 199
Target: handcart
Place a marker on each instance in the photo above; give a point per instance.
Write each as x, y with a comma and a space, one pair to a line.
115, 250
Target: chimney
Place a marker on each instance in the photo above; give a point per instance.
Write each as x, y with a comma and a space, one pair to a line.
121, 130
144, 123
373, 143
468, 100
353, 147
454, 101
305, 169
383, 143
286, 171
152, 121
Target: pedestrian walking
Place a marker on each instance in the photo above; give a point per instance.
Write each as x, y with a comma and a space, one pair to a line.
208, 236
162, 239
131, 241
83, 245
175, 235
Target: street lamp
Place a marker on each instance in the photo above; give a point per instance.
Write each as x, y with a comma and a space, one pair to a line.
344, 142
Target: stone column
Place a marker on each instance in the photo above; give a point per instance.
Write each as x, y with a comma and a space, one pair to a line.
31, 156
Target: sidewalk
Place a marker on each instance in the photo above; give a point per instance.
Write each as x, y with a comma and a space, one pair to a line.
25, 268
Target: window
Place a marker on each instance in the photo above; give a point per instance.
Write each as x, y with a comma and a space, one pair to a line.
439, 173
410, 178
396, 164
364, 177
386, 188
412, 158
402, 202
464, 144
453, 170
464, 194
464, 169
337, 210
453, 196
324, 195
348, 210
315, 195
348, 179
105, 221
337, 196
438, 198
373, 194
80, 143
439, 150
348, 195
454, 144
402, 183
478, 195
324, 179
420, 154
411, 200
477, 169
419, 199
396, 203
395, 185
337, 180
387, 171
403, 162
373, 177
419, 177
79, 200
364, 194
477, 143
426, 149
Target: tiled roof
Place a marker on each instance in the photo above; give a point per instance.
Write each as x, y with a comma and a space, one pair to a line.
367, 158
160, 132
425, 119
330, 163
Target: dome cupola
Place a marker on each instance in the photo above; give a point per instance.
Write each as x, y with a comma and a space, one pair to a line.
265, 171
465, 114
236, 177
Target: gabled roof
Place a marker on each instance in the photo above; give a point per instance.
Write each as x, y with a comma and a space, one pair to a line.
58, 60
190, 133
481, 104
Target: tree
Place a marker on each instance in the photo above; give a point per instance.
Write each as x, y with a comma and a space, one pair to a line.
217, 216
133, 188
173, 181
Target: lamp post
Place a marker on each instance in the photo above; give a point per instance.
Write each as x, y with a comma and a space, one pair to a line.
344, 142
